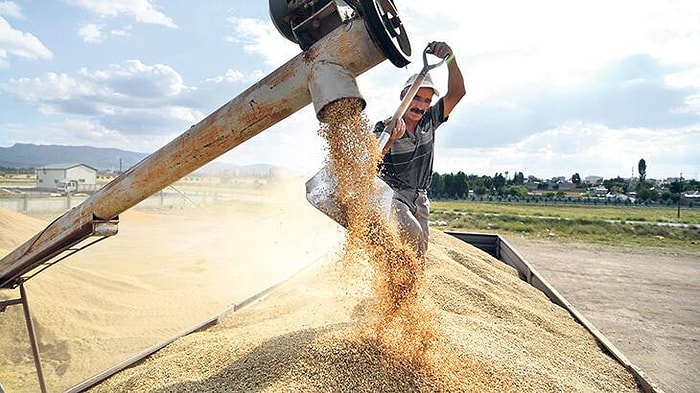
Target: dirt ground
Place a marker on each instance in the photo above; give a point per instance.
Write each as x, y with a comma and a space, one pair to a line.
646, 302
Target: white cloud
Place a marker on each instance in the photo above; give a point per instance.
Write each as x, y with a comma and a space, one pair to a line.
126, 98
134, 79
587, 149
123, 32
692, 105
20, 44
237, 77
79, 132
50, 86
141, 10
88, 130
261, 37
292, 143
229, 76
503, 44
531, 69
689, 78
91, 33
11, 9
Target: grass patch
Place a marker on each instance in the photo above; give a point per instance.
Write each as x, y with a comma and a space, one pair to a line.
644, 226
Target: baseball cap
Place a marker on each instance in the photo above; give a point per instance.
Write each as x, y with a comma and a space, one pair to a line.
427, 82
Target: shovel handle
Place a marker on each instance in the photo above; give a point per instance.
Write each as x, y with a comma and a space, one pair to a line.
383, 140
406, 101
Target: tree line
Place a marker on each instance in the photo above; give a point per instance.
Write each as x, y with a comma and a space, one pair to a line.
462, 186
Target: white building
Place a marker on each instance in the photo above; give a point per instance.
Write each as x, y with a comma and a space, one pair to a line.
593, 180
47, 177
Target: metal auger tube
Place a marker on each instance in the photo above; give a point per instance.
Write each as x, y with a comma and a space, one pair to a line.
349, 49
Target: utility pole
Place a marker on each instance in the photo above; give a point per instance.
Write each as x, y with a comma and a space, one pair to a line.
680, 188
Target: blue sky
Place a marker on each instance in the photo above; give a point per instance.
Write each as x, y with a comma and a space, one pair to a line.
553, 88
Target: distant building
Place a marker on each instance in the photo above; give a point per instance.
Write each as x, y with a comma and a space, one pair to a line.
566, 186
48, 177
599, 191
593, 180
695, 195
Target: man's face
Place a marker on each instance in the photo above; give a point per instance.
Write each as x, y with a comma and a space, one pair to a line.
420, 103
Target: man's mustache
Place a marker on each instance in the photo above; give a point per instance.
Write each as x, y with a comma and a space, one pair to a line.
417, 111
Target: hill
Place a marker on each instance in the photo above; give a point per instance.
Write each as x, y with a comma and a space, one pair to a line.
28, 155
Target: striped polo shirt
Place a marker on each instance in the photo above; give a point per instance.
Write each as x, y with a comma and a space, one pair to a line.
409, 162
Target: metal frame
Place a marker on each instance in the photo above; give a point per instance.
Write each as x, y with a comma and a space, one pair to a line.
499, 248
22, 300
100, 228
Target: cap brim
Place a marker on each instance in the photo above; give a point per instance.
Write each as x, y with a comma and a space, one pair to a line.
435, 91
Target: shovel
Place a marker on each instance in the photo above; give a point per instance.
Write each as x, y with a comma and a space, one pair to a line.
321, 188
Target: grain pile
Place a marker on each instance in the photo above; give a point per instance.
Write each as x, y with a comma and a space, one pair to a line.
497, 334
466, 323
167, 270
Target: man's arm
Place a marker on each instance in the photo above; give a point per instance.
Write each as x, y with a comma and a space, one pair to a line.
455, 80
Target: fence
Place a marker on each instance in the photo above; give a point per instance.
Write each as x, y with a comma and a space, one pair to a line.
585, 201
43, 203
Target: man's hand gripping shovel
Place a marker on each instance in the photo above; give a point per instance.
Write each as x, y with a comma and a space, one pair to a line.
321, 188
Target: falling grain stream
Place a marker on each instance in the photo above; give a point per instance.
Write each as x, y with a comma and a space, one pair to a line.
394, 318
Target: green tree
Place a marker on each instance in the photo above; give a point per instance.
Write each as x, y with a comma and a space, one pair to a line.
617, 184
450, 185
486, 185
518, 178
642, 167
460, 185
498, 182
576, 178
645, 193
676, 186
437, 186
533, 179
518, 191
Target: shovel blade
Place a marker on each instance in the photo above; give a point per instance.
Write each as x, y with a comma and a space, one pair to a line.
321, 192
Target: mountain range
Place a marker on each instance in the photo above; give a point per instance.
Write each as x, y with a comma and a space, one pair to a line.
28, 155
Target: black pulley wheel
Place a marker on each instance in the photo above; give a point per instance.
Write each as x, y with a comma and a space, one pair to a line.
387, 30
278, 14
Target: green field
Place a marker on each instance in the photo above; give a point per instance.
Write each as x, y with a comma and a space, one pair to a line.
638, 225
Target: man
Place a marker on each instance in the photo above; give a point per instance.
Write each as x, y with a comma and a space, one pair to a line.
408, 155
